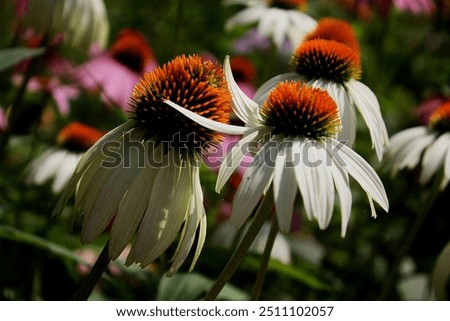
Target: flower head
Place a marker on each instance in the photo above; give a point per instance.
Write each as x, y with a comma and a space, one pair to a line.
294, 109
58, 163
335, 67
131, 177
195, 85
326, 59
337, 30
428, 146
279, 20
82, 22
291, 136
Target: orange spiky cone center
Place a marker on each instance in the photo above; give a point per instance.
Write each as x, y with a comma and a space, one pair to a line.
294, 109
78, 137
326, 59
192, 83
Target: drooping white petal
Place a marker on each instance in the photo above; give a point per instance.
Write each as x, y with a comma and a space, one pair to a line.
411, 155
367, 103
319, 183
201, 239
361, 171
447, 164
245, 108
341, 182
434, 157
87, 160
255, 180
234, 158
284, 187
400, 146
196, 216
302, 176
107, 194
246, 16
208, 123
65, 171
328, 189
132, 207
164, 216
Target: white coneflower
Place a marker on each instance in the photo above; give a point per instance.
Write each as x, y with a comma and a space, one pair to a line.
279, 20
143, 176
57, 164
428, 146
334, 65
82, 22
295, 129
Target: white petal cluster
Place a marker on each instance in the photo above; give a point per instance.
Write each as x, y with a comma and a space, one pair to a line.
275, 23
348, 96
420, 146
281, 160
55, 165
154, 199
82, 22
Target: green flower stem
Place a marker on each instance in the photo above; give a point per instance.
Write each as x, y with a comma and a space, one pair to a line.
429, 200
258, 220
94, 276
262, 271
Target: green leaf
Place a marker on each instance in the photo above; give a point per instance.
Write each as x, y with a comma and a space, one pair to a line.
10, 233
289, 271
12, 56
193, 286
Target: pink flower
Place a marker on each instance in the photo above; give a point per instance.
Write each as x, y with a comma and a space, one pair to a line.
425, 109
57, 79
116, 72
426, 7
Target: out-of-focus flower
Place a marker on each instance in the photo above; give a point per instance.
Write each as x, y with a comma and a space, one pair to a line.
142, 178
57, 164
426, 109
56, 76
337, 30
428, 146
116, 71
365, 8
279, 20
335, 67
295, 129
252, 40
425, 7
82, 22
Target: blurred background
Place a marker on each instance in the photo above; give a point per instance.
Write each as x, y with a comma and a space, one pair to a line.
406, 62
